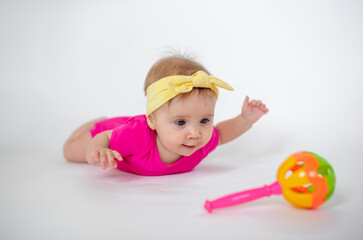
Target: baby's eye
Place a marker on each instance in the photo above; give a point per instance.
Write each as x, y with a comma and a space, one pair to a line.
205, 121
180, 122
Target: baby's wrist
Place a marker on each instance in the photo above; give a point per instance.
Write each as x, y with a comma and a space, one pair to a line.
245, 120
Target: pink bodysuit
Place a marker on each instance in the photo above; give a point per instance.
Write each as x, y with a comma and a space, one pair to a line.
136, 142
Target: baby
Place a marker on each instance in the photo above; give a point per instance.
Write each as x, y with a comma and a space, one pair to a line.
176, 133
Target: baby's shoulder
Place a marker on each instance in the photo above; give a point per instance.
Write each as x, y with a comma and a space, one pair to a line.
138, 123
134, 129
133, 136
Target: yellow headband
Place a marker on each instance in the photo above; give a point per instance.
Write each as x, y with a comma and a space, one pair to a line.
167, 88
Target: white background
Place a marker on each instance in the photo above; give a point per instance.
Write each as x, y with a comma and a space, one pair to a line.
63, 63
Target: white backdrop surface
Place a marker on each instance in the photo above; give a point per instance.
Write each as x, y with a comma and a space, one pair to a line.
63, 63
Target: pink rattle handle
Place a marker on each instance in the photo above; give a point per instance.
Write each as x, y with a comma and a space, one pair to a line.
244, 196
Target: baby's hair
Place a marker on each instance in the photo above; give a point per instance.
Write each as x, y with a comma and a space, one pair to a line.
176, 64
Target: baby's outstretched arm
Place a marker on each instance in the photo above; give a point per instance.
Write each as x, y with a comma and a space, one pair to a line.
99, 152
230, 129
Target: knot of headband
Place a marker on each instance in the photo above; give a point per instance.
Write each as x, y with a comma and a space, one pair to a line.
169, 87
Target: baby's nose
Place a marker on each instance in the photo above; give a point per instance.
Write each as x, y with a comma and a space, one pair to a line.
194, 132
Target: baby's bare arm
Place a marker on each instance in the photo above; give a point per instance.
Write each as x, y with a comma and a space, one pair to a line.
232, 128
252, 111
99, 152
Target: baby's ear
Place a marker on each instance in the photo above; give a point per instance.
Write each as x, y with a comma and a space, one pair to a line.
151, 121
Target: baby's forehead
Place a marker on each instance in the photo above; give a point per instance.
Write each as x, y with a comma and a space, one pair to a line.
193, 98
205, 95
192, 104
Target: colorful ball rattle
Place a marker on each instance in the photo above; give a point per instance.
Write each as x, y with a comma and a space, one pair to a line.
305, 179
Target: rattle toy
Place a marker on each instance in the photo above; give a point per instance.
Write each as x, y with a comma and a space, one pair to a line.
305, 179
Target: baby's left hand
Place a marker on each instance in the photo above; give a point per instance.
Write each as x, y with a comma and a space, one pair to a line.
253, 110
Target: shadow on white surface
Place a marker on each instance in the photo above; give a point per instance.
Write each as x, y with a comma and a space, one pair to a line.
51, 198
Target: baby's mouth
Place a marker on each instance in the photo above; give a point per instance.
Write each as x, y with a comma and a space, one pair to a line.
189, 146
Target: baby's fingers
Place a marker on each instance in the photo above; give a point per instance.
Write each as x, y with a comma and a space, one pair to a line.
103, 159
111, 160
262, 106
246, 101
117, 155
259, 104
95, 156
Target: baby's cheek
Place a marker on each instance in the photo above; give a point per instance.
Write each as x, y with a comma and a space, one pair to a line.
208, 136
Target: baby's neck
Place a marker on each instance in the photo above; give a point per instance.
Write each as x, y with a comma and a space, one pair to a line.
166, 156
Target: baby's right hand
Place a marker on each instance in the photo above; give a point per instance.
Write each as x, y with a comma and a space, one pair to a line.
104, 157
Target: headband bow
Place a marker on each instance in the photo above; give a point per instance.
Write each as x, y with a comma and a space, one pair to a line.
167, 88
182, 84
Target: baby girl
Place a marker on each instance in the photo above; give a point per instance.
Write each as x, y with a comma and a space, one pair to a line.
176, 133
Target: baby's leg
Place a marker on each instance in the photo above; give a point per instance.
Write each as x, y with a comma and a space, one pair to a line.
74, 149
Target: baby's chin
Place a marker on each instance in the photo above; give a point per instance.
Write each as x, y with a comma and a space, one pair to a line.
189, 150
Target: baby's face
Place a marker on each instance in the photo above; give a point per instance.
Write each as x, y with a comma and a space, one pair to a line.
185, 125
